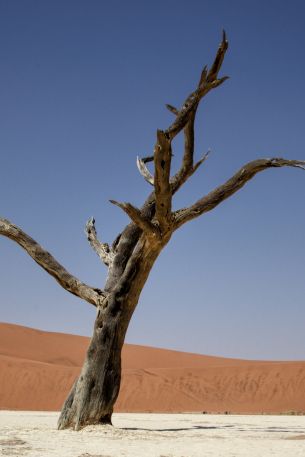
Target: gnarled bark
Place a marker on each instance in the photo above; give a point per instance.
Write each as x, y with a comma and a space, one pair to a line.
93, 395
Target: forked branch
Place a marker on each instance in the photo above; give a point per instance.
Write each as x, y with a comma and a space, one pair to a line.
185, 118
231, 186
103, 250
208, 80
50, 264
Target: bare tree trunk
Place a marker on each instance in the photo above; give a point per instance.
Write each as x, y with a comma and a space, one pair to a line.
94, 394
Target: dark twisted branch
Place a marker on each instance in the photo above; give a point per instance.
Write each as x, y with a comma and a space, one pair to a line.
221, 193
50, 264
102, 249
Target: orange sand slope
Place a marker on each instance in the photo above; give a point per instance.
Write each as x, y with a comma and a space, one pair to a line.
38, 368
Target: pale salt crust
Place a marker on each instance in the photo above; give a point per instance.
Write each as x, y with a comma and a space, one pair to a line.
34, 434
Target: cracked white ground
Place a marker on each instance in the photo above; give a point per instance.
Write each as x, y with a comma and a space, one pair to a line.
34, 434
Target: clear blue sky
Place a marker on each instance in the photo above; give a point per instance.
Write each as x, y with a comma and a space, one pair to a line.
83, 88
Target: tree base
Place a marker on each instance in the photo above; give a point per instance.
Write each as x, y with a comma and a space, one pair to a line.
63, 425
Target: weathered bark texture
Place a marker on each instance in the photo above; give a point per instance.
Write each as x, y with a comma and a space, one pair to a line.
94, 394
134, 251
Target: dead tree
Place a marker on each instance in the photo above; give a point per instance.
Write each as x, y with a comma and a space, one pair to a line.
131, 256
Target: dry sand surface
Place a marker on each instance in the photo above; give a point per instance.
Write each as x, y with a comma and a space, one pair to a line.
34, 434
38, 368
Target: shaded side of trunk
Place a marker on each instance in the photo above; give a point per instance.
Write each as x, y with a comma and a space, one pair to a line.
93, 395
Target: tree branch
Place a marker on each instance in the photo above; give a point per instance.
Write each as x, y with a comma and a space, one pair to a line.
203, 159
163, 193
188, 157
187, 173
186, 117
172, 109
144, 171
231, 186
148, 209
147, 159
102, 249
140, 220
208, 80
50, 265
213, 73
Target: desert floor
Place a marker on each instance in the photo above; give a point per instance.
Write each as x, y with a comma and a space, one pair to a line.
32, 434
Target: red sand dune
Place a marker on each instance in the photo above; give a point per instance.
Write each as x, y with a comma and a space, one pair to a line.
38, 368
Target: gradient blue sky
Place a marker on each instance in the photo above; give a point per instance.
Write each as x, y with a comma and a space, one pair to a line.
83, 89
